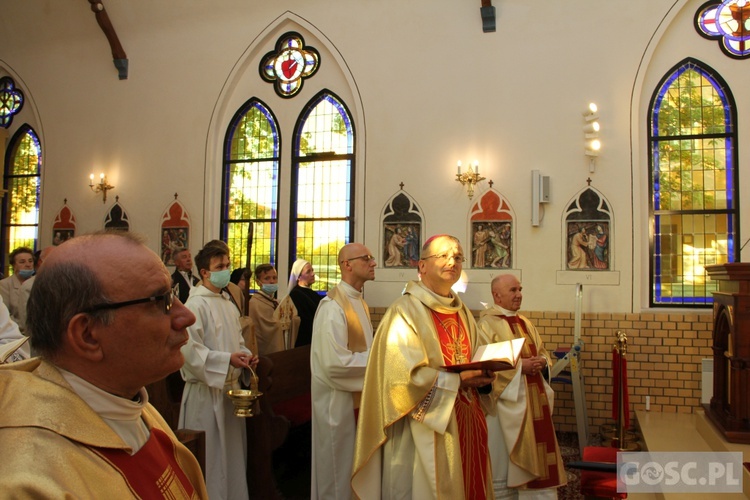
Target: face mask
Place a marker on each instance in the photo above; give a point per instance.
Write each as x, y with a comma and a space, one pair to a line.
270, 289
220, 279
25, 273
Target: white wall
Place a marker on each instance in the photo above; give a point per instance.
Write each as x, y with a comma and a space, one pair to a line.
428, 87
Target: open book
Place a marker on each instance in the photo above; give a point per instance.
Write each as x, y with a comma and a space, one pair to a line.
7, 350
495, 357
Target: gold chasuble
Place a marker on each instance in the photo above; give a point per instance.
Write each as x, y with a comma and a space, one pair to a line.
535, 450
415, 423
356, 341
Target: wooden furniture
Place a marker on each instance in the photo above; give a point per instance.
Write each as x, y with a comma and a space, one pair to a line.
284, 380
729, 409
195, 441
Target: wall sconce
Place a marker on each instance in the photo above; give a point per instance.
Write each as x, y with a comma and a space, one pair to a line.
591, 134
101, 187
469, 178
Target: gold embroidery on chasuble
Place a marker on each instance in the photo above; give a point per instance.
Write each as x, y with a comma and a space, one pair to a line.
453, 339
543, 460
169, 485
536, 401
455, 345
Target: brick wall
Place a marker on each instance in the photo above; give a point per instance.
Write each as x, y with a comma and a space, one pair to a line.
664, 360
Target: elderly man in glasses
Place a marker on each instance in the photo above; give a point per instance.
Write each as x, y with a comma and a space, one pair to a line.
421, 431
76, 421
216, 359
342, 334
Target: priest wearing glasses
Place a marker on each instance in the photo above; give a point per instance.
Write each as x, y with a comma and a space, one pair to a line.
421, 431
76, 420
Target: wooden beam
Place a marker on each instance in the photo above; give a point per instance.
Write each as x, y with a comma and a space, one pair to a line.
118, 53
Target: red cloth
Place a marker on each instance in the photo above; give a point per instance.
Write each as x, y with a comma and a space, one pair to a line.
620, 367
298, 410
600, 484
472, 426
153, 471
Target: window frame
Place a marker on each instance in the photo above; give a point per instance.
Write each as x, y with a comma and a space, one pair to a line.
226, 185
732, 212
8, 177
298, 159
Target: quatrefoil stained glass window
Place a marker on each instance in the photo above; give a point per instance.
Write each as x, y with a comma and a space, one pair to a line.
728, 22
289, 64
11, 101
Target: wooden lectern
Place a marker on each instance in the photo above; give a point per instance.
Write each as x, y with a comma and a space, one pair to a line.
730, 405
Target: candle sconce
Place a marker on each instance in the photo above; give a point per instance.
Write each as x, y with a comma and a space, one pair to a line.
470, 178
102, 187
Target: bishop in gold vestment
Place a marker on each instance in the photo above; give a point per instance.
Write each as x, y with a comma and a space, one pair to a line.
418, 421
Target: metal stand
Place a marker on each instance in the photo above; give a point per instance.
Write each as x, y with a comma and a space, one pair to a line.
574, 375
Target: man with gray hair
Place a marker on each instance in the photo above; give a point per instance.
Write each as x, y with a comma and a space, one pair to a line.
421, 431
105, 323
182, 278
523, 447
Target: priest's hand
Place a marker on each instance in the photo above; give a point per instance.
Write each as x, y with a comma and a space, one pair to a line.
532, 366
476, 378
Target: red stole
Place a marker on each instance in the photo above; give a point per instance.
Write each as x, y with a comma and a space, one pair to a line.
472, 426
153, 472
538, 413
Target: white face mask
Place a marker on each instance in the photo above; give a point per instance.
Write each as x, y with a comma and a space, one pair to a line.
270, 288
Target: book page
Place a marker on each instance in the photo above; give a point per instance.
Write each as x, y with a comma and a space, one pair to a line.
507, 350
7, 350
494, 357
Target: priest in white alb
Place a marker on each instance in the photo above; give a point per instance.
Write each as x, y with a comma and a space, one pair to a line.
341, 339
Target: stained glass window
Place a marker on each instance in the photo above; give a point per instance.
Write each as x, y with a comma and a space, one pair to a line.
322, 176
250, 186
727, 22
11, 101
694, 217
22, 182
288, 65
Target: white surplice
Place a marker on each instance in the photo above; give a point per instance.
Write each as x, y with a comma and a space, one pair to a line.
215, 335
337, 372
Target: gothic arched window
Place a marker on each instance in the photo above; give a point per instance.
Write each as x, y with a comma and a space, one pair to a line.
251, 185
22, 182
322, 201
693, 183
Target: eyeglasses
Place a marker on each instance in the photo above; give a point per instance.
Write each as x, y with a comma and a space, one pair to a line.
167, 299
368, 258
444, 256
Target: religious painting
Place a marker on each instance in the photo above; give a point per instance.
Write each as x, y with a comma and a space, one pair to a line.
492, 244
402, 245
172, 239
64, 226
588, 245
402, 232
62, 235
491, 232
175, 231
588, 224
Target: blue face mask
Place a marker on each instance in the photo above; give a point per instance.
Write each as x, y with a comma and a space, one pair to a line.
25, 273
220, 279
269, 288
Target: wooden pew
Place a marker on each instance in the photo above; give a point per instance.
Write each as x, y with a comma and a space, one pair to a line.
284, 380
285, 406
